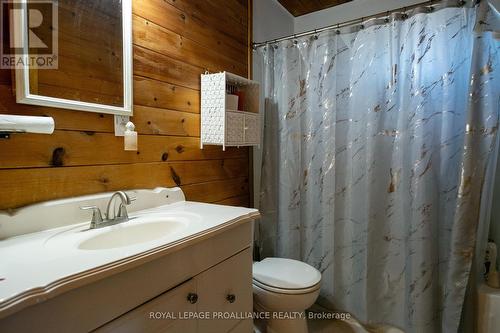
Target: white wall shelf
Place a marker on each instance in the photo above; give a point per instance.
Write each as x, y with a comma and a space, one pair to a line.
226, 127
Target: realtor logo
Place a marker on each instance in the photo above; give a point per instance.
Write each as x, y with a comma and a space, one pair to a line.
29, 32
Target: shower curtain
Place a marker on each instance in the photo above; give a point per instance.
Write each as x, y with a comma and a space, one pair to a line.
377, 145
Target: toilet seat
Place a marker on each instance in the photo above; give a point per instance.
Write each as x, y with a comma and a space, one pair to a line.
286, 291
286, 276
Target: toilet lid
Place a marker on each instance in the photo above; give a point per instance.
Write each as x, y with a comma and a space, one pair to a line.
285, 273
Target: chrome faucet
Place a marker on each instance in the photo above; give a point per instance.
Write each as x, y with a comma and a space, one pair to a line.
122, 209
122, 215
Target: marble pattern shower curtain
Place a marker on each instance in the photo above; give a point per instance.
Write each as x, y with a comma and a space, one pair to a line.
376, 148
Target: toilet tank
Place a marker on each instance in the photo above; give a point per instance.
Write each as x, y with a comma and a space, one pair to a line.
488, 309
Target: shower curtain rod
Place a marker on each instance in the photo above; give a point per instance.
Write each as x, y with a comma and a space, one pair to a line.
385, 14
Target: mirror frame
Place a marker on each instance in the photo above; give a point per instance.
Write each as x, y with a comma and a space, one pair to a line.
24, 96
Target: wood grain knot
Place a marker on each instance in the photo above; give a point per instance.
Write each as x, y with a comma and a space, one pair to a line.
179, 149
58, 157
175, 177
164, 157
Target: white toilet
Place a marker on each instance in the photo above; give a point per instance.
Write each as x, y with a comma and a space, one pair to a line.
285, 288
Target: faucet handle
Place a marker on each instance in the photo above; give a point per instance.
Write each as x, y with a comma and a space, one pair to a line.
96, 215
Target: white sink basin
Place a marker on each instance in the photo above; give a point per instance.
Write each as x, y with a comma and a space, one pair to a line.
127, 235
146, 229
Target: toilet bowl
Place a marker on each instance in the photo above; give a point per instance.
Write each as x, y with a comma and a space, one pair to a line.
283, 289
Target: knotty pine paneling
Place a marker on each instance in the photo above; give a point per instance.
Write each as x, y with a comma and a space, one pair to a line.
211, 13
174, 42
154, 93
234, 201
38, 184
191, 28
156, 66
71, 148
228, 188
301, 7
146, 34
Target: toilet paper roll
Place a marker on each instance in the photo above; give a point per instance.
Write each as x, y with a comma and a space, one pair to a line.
27, 124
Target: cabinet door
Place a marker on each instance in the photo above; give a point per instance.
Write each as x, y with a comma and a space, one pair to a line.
161, 314
235, 122
226, 290
252, 128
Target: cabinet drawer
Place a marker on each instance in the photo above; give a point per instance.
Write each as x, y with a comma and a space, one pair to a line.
235, 122
226, 289
252, 128
165, 309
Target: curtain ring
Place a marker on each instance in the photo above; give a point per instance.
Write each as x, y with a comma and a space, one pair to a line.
295, 42
315, 34
431, 9
405, 16
387, 20
362, 25
338, 29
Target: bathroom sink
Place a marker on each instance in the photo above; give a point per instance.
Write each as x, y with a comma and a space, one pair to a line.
127, 235
140, 229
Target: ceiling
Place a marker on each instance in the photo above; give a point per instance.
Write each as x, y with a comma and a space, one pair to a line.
301, 7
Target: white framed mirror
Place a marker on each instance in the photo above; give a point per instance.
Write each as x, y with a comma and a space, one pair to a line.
74, 54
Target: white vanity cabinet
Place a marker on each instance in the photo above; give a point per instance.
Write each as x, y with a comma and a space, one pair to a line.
209, 273
230, 297
218, 292
159, 314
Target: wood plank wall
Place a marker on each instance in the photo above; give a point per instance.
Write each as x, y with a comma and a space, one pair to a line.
174, 41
